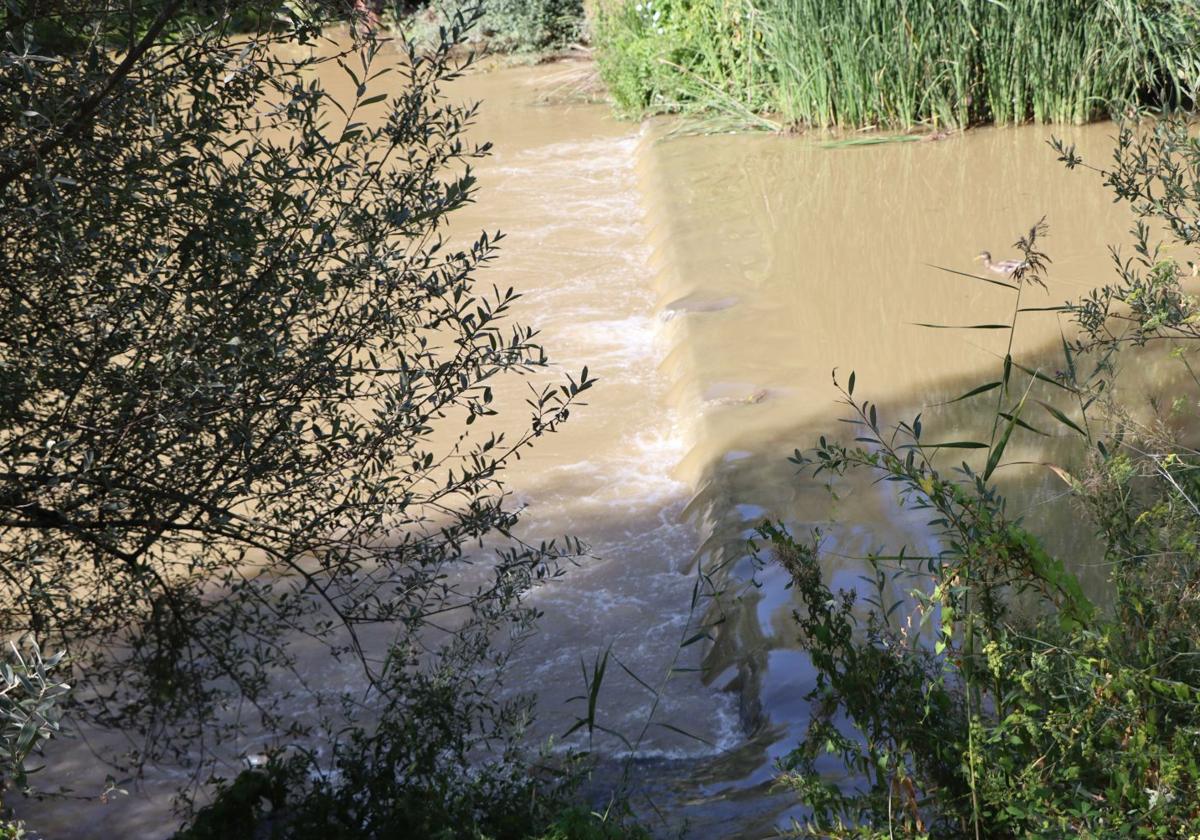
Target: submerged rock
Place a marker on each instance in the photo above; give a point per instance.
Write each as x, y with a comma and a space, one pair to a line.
696, 303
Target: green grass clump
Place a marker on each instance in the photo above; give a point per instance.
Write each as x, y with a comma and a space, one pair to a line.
899, 63
532, 25
671, 55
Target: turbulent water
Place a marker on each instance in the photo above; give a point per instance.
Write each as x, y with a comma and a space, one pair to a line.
712, 284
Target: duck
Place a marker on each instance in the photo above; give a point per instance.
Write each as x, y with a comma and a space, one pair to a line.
1004, 267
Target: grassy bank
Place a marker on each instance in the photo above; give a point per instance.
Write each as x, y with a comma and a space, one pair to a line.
900, 63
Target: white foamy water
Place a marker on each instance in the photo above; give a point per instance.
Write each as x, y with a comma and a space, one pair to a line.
578, 247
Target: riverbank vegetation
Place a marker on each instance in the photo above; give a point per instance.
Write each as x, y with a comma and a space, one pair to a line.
245, 385
996, 700
521, 27
788, 64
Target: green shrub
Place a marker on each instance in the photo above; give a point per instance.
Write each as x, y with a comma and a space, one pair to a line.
513, 26
523, 25
369, 798
1079, 733
443, 759
670, 55
222, 310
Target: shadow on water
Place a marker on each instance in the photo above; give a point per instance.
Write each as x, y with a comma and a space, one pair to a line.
753, 675
755, 651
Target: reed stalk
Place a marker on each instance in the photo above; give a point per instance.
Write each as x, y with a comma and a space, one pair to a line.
903, 63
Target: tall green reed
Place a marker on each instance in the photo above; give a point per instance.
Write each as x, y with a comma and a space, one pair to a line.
867, 62
901, 63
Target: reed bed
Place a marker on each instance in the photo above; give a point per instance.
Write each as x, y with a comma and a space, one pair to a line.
900, 63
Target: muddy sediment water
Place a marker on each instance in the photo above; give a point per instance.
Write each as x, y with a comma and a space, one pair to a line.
712, 284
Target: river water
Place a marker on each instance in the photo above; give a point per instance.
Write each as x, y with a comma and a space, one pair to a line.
712, 284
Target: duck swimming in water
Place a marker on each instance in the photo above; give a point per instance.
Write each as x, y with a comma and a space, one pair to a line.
1004, 267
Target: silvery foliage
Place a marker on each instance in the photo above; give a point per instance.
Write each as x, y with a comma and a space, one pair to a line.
30, 707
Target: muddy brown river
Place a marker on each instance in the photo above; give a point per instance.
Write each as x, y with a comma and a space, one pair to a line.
712, 284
